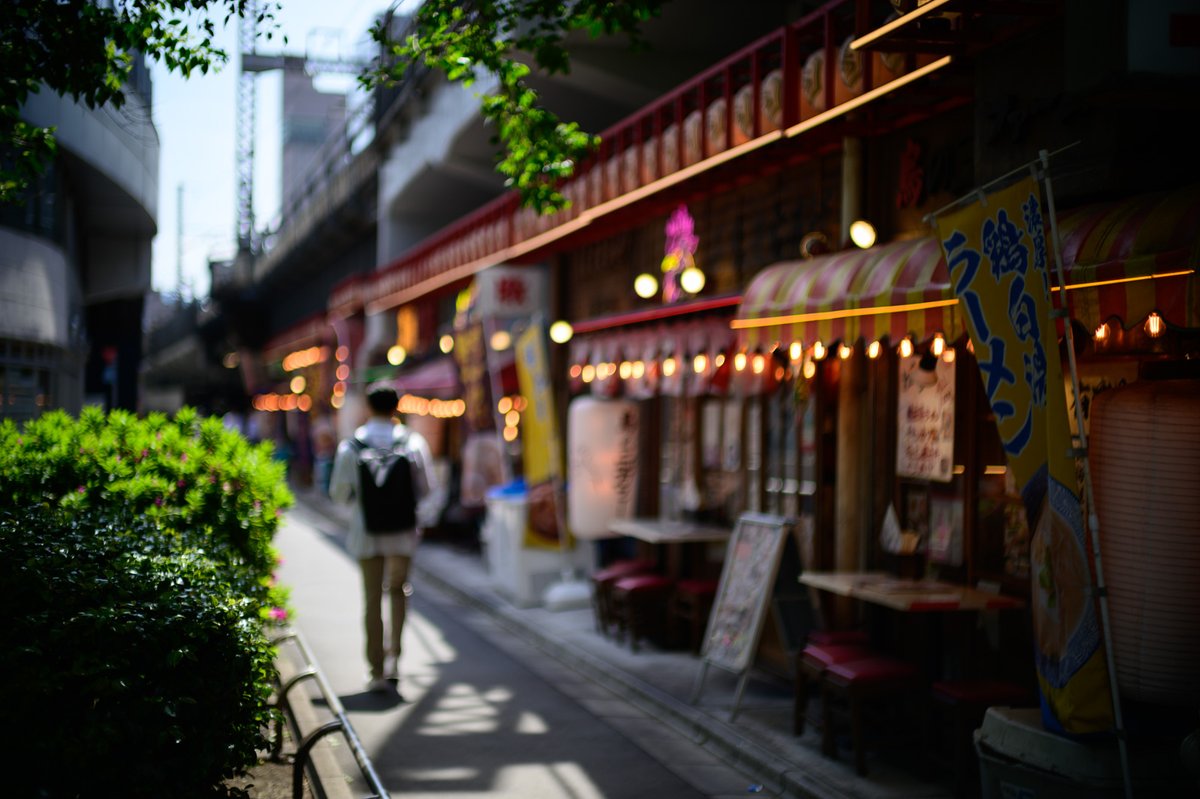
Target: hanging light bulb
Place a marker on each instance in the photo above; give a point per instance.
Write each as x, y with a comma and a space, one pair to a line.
873, 349
692, 280
1155, 325
501, 340
576, 371
844, 350
446, 343
645, 285
948, 356
739, 361
561, 332
625, 370
700, 363
937, 345
810, 369
906, 347
1101, 333
818, 351
587, 373
669, 365
796, 350
719, 361
639, 369
396, 355
758, 364
862, 233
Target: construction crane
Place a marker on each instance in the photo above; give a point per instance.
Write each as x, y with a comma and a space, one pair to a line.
252, 63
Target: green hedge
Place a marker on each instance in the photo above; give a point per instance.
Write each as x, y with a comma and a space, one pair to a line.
135, 576
197, 481
131, 666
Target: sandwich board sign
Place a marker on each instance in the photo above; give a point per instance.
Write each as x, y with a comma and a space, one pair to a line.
747, 584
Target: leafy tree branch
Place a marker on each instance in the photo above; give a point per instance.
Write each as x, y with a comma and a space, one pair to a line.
508, 39
84, 50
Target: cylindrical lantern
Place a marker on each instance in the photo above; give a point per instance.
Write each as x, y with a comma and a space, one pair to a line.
602, 470
1145, 456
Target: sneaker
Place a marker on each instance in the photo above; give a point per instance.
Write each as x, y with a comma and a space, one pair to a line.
379, 686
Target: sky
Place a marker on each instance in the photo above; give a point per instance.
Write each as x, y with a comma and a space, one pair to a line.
196, 120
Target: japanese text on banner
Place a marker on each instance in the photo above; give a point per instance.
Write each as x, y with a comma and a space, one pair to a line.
996, 251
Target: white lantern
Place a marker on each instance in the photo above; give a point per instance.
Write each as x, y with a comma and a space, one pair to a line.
602, 470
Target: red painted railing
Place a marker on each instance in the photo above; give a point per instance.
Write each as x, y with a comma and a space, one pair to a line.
746, 101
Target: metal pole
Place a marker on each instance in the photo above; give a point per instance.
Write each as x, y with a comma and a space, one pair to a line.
1089, 494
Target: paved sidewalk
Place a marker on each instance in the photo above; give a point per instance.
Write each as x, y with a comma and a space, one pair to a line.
661, 683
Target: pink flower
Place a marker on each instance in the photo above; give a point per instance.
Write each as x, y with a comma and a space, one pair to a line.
183, 458
278, 614
81, 490
158, 502
145, 452
179, 484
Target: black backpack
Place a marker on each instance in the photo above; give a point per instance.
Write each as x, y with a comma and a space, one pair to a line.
387, 487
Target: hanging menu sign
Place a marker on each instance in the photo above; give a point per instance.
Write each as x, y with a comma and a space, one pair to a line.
925, 423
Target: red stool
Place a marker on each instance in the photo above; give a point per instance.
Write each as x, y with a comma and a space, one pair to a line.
639, 606
838, 637
810, 667
858, 682
602, 582
691, 604
962, 703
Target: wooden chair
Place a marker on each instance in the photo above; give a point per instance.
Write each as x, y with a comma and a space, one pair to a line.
639, 606
956, 710
602, 583
857, 683
690, 604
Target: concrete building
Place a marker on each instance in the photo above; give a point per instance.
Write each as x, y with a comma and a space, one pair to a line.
75, 258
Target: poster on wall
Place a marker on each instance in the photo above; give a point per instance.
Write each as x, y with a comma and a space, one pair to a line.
925, 419
945, 531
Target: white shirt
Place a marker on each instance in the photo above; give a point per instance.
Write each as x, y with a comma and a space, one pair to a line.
343, 488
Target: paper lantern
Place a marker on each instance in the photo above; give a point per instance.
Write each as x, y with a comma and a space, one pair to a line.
1145, 455
602, 471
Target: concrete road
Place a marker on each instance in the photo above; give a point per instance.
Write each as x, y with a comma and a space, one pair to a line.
483, 713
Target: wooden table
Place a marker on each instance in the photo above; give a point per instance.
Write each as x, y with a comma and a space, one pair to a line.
673, 534
908, 596
934, 600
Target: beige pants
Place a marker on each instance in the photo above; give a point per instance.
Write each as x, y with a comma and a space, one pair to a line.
374, 574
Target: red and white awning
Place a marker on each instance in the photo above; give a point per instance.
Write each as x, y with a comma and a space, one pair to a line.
1122, 260
895, 290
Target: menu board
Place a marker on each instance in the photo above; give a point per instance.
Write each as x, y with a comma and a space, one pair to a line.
747, 584
925, 419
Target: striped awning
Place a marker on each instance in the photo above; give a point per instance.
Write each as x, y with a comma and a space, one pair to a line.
893, 290
1122, 260
1127, 259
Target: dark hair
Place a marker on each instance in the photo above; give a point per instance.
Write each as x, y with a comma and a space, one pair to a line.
382, 399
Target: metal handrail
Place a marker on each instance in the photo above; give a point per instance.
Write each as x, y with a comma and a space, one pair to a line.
340, 723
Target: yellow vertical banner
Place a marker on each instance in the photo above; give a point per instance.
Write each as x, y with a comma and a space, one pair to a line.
541, 450
997, 254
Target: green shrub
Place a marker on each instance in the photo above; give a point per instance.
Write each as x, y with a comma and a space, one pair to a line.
194, 479
130, 664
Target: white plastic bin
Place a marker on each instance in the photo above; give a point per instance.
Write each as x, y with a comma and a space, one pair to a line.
522, 574
1019, 759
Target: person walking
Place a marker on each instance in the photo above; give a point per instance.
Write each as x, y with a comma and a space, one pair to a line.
384, 534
